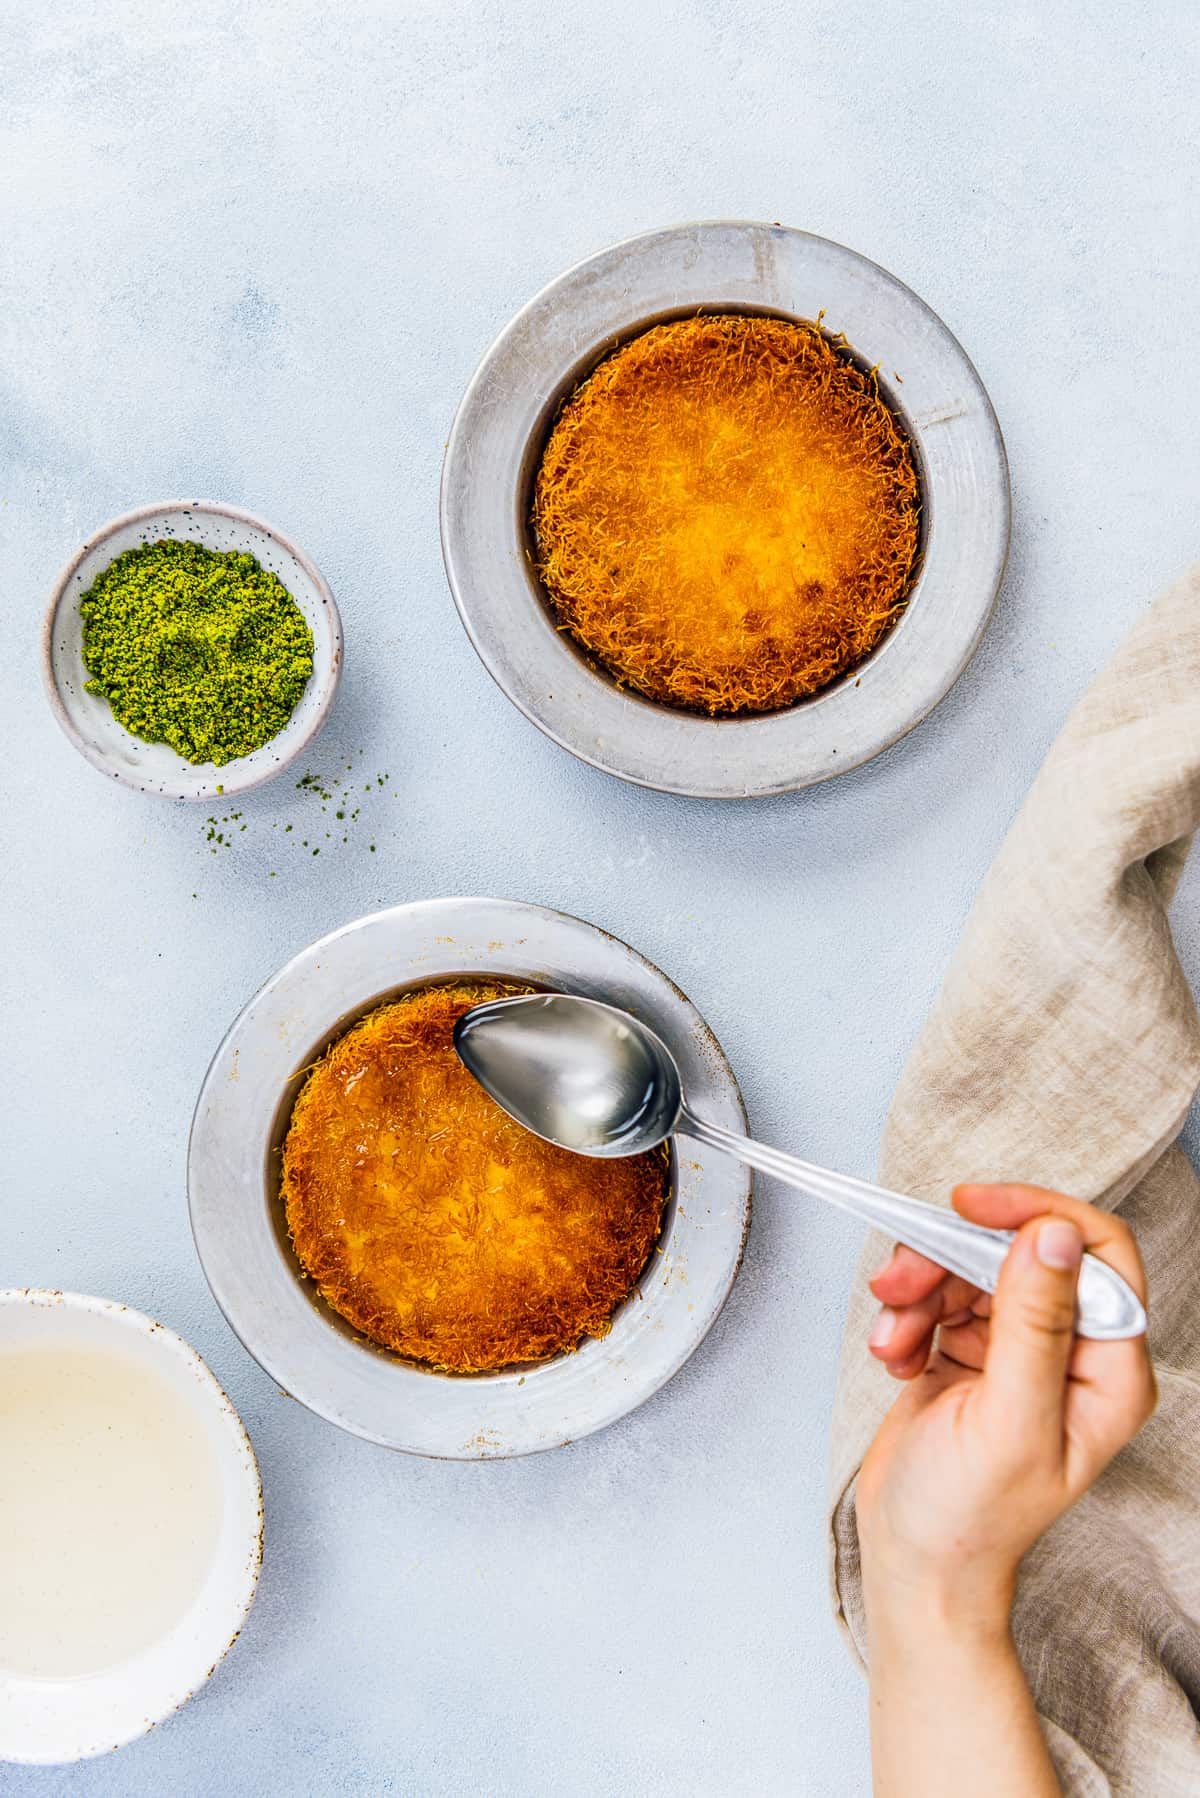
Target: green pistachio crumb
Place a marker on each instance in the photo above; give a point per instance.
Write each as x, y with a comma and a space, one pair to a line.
201, 649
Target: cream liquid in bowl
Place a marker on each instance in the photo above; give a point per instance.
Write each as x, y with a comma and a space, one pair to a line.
110, 1508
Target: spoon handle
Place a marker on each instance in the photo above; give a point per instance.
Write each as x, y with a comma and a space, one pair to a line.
1108, 1308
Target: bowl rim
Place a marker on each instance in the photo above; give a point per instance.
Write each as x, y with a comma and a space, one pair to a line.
538, 357
331, 1370
327, 665
91, 1737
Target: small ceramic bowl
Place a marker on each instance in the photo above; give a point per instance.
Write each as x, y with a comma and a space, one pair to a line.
241, 1235
88, 720
54, 1720
539, 359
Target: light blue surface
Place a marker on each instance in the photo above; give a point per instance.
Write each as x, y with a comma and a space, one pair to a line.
255, 252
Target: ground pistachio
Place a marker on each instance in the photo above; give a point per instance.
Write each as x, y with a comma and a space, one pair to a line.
202, 649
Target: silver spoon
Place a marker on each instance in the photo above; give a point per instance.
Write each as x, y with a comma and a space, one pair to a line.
594, 1079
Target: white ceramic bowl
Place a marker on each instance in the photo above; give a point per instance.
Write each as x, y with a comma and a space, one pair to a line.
241, 1236
51, 1720
89, 721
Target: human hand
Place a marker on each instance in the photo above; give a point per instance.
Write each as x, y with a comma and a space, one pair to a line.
1008, 1420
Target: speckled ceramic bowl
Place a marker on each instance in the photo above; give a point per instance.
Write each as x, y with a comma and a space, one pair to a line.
241, 1235
55, 1720
89, 722
539, 359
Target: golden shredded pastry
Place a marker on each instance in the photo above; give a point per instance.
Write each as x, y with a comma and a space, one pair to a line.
726, 513
436, 1225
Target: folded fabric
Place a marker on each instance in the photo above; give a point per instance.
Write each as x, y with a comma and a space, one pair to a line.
1064, 1049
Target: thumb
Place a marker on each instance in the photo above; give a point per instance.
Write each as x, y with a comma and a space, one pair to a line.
1033, 1328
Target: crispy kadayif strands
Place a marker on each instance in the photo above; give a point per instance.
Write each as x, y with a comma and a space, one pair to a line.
727, 514
436, 1225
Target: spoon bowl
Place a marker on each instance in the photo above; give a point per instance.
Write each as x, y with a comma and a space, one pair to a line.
583, 1075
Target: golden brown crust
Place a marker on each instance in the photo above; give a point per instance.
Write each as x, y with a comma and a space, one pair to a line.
727, 513
436, 1225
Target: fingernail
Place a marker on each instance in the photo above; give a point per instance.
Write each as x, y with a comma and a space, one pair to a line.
883, 1329
1059, 1245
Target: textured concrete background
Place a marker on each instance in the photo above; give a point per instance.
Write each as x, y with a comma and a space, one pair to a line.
254, 251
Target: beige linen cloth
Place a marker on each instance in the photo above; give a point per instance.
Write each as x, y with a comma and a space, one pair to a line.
1064, 1049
